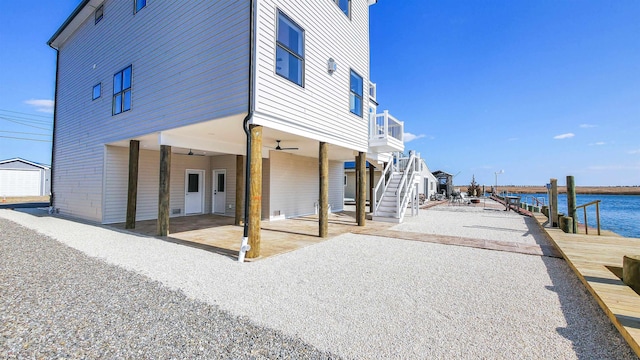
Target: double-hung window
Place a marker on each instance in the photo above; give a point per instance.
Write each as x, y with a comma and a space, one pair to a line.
345, 6
99, 14
290, 50
139, 4
355, 93
122, 91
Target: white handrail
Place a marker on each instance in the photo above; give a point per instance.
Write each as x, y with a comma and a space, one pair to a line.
384, 183
403, 183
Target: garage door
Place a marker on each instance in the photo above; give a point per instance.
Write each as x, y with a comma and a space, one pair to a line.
19, 182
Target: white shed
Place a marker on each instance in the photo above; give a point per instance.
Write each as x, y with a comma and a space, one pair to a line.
19, 177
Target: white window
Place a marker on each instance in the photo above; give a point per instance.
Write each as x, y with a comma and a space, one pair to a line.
97, 91
139, 4
345, 6
122, 91
99, 14
290, 50
355, 93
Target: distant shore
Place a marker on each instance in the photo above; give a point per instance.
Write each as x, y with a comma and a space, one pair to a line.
600, 190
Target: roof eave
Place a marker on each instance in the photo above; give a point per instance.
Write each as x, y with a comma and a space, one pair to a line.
66, 23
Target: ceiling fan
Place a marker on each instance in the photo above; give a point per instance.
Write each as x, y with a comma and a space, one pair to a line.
191, 153
278, 147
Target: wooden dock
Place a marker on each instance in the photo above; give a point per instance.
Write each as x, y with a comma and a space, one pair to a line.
597, 260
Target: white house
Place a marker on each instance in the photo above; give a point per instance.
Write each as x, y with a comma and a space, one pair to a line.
156, 101
20, 177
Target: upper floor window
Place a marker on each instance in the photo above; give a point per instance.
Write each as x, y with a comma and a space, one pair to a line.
345, 6
122, 91
355, 93
97, 91
99, 13
289, 50
139, 4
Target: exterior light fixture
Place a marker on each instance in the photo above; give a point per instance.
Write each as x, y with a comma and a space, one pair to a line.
332, 66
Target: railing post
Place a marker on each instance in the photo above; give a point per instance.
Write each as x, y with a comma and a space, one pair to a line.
598, 215
386, 124
586, 225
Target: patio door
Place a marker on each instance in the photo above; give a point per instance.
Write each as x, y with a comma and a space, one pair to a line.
194, 192
219, 190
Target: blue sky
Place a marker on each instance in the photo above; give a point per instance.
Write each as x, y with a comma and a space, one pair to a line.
540, 89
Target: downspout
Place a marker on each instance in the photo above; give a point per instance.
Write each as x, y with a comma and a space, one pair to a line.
244, 246
53, 135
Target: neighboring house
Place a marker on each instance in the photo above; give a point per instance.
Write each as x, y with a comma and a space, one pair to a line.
20, 177
428, 181
163, 89
445, 182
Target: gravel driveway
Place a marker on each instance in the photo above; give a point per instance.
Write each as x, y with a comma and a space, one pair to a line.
354, 296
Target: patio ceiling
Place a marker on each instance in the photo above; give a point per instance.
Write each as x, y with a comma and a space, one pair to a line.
226, 136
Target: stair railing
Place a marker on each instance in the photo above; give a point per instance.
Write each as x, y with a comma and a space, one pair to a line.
584, 208
381, 187
403, 193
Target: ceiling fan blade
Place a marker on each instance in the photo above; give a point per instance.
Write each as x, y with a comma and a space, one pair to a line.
278, 147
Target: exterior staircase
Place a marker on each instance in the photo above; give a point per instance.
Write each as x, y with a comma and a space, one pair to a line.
397, 189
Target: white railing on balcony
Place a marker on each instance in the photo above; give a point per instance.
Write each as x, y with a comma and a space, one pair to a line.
385, 126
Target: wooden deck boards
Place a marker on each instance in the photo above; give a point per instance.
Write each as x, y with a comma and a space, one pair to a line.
592, 257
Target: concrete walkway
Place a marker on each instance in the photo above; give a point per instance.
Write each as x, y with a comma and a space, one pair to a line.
364, 296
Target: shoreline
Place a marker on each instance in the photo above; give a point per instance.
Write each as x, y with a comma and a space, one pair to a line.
585, 190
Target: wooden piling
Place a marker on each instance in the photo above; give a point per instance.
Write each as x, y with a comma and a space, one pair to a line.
132, 189
571, 203
164, 190
323, 206
553, 202
239, 189
362, 189
255, 192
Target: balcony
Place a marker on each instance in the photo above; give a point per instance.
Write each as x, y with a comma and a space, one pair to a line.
385, 133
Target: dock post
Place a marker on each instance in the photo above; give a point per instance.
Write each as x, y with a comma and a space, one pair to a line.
132, 189
553, 203
571, 203
255, 192
323, 208
164, 190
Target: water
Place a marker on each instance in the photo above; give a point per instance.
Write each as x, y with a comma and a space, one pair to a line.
618, 213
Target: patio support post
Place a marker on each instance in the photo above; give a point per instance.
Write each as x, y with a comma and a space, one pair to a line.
323, 216
255, 192
239, 188
163, 193
361, 188
371, 186
132, 191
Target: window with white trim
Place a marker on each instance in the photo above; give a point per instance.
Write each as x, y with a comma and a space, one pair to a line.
139, 4
355, 93
345, 6
122, 91
99, 14
97, 91
290, 50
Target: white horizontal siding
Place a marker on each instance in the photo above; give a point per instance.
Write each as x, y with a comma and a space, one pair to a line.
336, 187
320, 110
293, 187
190, 64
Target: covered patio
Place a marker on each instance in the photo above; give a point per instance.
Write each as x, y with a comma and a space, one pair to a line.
218, 234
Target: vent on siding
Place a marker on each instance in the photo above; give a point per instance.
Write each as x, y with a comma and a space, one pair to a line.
176, 211
276, 213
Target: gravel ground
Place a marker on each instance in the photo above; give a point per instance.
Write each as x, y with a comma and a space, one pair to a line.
370, 297
475, 222
55, 302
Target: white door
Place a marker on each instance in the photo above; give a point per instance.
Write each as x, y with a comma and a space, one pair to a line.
219, 191
194, 192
